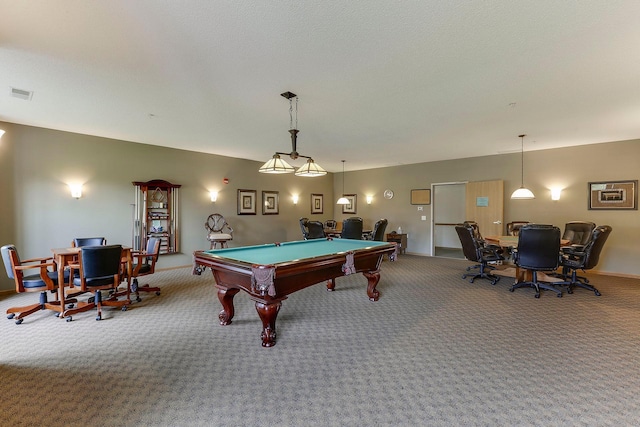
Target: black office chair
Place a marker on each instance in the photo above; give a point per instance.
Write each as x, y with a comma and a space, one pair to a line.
378, 230
584, 258
32, 275
303, 227
352, 228
538, 250
79, 242
315, 230
513, 227
474, 250
578, 232
99, 268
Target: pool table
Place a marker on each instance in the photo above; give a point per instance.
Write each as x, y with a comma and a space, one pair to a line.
268, 273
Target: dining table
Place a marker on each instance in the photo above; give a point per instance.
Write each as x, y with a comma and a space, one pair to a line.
63, 257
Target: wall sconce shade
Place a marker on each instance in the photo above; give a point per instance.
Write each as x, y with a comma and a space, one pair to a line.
295, 199
555, 193
1, 133
76, 190
213, 195
369, 199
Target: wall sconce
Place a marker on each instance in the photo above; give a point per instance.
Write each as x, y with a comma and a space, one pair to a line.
1, 133
214, 196
369, 199
555, 193
76, 190
295, 199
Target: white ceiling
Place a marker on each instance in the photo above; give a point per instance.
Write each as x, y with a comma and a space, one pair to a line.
380, 82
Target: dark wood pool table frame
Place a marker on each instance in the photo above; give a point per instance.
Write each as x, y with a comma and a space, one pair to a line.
231, 276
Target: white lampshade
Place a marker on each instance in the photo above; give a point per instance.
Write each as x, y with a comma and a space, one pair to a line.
276, 165
311, 169
342, 201
522, 193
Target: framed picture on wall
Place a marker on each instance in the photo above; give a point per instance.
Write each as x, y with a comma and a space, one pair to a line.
613, 195
317, 204
350, 208
421, 197
270, 203
247, 202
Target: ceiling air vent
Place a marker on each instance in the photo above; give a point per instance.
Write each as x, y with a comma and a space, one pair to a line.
21, 93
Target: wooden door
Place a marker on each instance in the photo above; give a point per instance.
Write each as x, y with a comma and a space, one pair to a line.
485, 205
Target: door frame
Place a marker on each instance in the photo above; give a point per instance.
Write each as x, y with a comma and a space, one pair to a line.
432, 249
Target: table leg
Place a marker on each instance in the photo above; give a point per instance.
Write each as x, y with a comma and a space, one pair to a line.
268, 314
373, 277
61, 259
226, 299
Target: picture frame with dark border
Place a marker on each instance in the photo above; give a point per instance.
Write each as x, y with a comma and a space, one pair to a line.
270, 203
317, 204
613, 195
421, 196
351, 207
247, 202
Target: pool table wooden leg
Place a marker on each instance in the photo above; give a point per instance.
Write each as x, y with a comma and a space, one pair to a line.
226, 299
268, 314
373, 277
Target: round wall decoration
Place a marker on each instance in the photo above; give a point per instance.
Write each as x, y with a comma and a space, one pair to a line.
388, 194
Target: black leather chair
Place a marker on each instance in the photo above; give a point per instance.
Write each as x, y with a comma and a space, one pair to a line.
352, 228
32, 275
474, 250
584, 258
378, 230
99, 268
513, 227
578, 232
538, 250
315, 230
303, 227
78, 242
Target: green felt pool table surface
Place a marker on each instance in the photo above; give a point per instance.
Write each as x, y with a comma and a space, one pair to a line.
273, 254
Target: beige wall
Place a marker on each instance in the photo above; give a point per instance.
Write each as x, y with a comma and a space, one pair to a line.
38, 212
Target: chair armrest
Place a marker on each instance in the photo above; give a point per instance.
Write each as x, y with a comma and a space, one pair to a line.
31, 260
31, 267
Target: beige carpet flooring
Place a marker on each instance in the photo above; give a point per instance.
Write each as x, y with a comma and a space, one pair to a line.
435, 350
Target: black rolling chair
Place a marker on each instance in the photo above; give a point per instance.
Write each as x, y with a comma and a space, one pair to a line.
144, 263
584, 258
352, 228
578, 232
315, 230
474, 250
538, 250
79, 242
378, 230
99, 268
32, 275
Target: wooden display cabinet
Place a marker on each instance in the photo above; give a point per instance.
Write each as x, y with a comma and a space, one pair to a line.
156, 215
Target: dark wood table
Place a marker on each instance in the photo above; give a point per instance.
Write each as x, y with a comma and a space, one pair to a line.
269, 273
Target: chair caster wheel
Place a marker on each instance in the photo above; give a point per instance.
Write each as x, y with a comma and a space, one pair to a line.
19, 321
560, 295
537, 295
569, 291
597, 293
11, 316
124, 308
57, 314
158, 293
70, 306
138, 299
68, 319
98, 317
511, 289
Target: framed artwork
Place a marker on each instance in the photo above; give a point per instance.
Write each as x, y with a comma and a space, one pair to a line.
421, 197
317, 203
613, 195
247, 202
270, 203
350, 208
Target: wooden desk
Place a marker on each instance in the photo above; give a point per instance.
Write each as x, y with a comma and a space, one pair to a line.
63, 256
400, 239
